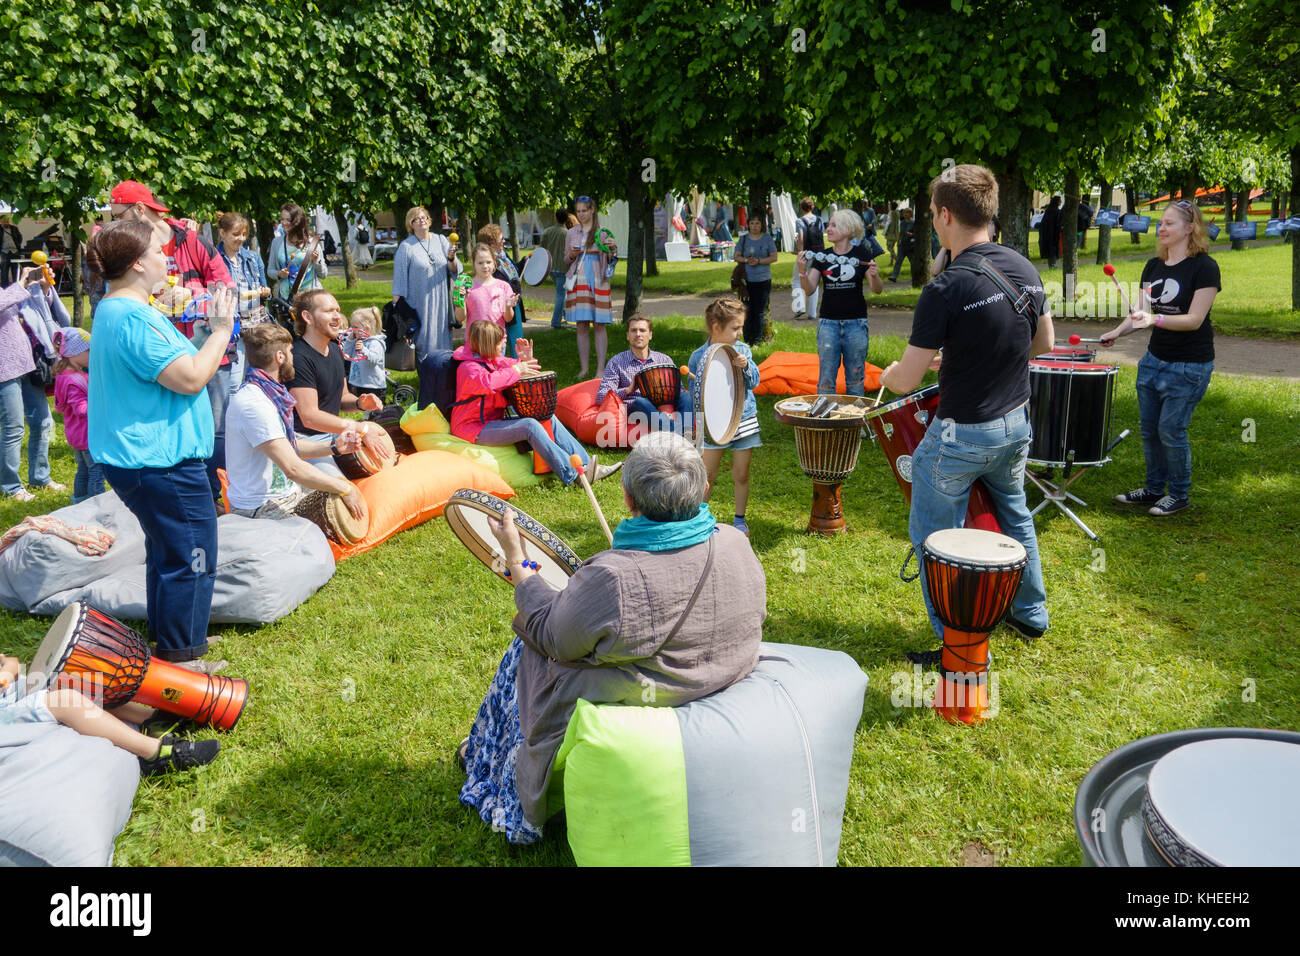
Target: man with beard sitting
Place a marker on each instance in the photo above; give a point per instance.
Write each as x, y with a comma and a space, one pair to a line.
265, 462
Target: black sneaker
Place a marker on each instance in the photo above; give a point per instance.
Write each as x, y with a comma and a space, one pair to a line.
176, 754
926, 658
1169, 505
162, 723
1024, 630
1139, 497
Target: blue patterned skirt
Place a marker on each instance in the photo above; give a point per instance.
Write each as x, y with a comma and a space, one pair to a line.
494, 743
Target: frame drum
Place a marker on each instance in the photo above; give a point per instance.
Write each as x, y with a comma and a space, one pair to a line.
537, 268
467, 513
721, 396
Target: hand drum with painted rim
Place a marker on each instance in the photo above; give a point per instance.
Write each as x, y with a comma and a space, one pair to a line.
537, 268
468, 512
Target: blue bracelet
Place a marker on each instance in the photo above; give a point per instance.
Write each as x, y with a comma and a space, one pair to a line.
532, 565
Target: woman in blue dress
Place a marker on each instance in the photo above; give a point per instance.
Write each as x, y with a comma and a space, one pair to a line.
422, 271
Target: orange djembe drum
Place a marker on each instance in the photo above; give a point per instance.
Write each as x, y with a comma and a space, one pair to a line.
109, 662
660, 384
534, 396
972, 576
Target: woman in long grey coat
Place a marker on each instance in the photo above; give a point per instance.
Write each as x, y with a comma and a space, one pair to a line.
677, 605
422, 268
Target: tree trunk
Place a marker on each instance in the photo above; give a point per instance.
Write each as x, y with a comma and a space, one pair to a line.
1014, 198
921, 237
513, 226
1190, 183
651, 254
1070, 238
265, 227
635, 240
1295, 245
1103, 232
78, 275
1275, 210
349, 267
1241, 209
1131, 200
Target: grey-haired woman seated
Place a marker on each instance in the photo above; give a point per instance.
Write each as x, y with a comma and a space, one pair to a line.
676, 605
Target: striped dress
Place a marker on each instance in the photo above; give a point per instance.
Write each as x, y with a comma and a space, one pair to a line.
588, 301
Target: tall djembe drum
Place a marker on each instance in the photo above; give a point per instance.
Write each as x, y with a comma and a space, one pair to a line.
827, 436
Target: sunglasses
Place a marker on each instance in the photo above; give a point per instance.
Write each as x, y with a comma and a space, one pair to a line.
1184, 204
583, 199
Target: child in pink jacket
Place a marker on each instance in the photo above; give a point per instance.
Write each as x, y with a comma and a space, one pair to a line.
71, 386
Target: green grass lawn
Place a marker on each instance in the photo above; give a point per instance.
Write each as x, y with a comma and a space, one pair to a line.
359, 697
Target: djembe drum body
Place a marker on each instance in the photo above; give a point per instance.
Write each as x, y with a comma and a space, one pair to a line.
104, 659
827, 437
535, 396
331, 515
660, 384
972, 576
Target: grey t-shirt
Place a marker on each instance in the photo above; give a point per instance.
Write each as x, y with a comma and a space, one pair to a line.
760, 248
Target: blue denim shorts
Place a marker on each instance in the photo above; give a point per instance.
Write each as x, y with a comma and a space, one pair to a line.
17, 709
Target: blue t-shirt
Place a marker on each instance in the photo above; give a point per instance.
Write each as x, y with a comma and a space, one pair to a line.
760, 248
133, 421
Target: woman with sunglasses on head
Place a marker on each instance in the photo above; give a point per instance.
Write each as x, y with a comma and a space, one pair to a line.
588, 299
1178, 286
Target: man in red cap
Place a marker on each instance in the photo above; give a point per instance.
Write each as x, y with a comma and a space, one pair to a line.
195, 263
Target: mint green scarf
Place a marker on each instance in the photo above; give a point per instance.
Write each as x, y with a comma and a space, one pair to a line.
642, 534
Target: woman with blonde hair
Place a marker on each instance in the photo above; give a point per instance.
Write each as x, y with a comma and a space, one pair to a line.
1178, 288
588, 303
422, 270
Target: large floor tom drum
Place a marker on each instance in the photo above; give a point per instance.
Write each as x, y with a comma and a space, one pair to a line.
1069, 409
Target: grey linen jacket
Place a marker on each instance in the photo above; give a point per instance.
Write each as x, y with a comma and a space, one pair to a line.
617, 611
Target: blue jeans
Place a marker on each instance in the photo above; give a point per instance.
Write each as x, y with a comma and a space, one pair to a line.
11, 435
844, 339
221, 387
507, 431
41, 422
90, 477
942, 473
1167, 395
175, 508
557, 314
657, 420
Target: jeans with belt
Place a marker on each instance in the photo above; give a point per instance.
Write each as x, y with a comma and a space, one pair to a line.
1168, 393
175, 508
841, 340
945, 465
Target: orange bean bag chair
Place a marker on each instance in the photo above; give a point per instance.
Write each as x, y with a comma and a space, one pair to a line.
415, 490
605, 427
795, 373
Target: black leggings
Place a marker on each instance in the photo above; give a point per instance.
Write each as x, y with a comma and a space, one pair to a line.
759, 293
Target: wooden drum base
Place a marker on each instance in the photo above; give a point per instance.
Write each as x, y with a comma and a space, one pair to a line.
827, 511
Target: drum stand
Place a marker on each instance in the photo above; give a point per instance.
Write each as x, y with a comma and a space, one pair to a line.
1057, 494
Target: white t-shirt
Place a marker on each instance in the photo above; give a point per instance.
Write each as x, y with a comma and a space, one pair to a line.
251, 420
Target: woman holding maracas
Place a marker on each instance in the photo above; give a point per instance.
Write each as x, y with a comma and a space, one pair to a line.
590, 251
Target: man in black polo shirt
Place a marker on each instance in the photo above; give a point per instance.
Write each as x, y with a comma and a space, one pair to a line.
988, 326
319, 385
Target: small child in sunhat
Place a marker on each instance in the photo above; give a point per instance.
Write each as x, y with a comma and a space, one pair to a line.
71, 388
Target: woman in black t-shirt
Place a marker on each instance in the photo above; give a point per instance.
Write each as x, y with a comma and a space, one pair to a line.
842, 328
1178, 288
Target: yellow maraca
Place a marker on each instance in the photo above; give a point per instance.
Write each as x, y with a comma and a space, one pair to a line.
453, 238
39, 258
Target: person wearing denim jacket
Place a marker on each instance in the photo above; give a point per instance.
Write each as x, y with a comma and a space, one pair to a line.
982, 430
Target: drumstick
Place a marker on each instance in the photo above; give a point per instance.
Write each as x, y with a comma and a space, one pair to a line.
1110, 271
879, 395
1075, 340
576, 462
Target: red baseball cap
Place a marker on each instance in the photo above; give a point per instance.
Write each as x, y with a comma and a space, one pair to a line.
129, 192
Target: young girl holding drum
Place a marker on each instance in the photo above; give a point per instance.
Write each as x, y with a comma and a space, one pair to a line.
725, 321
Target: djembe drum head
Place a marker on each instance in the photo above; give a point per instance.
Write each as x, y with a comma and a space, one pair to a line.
972, 576
331, 515
97, 654
362, 463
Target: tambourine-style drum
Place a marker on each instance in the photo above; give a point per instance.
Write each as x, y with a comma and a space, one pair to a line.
105, 660
660, 384
331, 515
1215, 796
1069, 409
534, 396
827, 436
721, 398
362, 464
972, 576
898, 428
467, 514
537, 268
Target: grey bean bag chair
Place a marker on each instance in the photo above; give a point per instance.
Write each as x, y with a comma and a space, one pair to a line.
265, 568
64, 798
